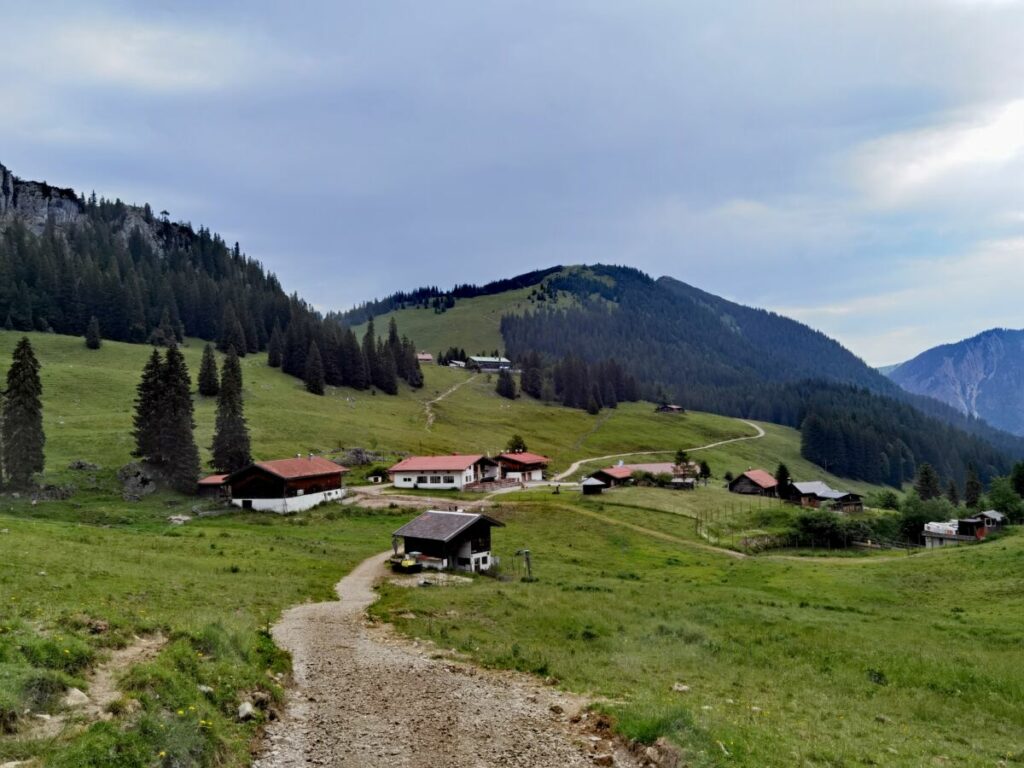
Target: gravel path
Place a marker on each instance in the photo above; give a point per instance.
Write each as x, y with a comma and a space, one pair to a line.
365, 697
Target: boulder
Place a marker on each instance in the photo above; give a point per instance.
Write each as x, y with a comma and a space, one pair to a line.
74, 698
137, 480
246, 711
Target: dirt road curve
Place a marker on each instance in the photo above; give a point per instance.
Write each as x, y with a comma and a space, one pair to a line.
366, 698
575, 466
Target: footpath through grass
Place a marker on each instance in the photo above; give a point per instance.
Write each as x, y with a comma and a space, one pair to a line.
903, 662
212, 588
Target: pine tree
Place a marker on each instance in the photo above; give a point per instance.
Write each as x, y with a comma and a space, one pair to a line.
209, 384
387, 374
953, 493
972, 488
370, 354
231, 446
705, 471
681, 458
148, 417
353, 362
232, 333
314, 370
782, 477
93, 340
177, 445
1017, 478
927, 483
506, 386
22, 421
275, 349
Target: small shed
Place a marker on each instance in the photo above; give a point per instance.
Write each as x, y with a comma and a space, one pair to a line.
481, 363
612, 476
592, 486
449, 540
670, 408
684, 483
213, 486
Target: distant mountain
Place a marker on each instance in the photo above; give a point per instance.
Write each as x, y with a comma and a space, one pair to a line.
982, 376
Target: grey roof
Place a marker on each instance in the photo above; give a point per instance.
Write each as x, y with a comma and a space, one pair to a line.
482, 359
991, 513
436, 525
821, 490
592, 481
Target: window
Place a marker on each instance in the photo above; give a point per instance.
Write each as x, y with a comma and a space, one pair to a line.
435, 479
449, 478
421, 479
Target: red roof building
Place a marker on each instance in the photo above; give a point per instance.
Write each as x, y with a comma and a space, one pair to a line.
523, 465
452, 472
755, 482
287, 485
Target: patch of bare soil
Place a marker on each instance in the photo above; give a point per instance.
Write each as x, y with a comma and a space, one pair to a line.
365, 697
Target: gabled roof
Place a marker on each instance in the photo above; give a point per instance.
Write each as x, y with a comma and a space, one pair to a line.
619, 473
454, 463
435, 525
591, 481
481, 359
992, 515
213, 480
821, 490
293, 469
525, 457
761, 478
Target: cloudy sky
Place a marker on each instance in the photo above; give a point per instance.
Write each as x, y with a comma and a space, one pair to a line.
856, 165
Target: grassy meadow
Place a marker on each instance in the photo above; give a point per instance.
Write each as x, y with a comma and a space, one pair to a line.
903, 661
860, 661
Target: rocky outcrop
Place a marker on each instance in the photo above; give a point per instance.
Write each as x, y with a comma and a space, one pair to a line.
36, 202
982, 376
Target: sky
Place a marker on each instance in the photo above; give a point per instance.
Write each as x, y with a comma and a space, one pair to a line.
858, 166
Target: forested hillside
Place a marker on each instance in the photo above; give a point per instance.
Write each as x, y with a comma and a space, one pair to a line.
65, 259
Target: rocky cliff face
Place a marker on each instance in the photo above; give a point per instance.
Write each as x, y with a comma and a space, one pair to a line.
35, 202
982, 376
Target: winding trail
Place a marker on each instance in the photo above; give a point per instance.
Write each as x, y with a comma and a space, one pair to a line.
429, 405
365, 698
575, 466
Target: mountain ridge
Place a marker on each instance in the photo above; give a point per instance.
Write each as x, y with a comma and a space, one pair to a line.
981, 376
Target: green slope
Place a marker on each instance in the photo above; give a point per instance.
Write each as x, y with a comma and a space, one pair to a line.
88, 403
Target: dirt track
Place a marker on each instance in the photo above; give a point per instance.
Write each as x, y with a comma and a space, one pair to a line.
366, 698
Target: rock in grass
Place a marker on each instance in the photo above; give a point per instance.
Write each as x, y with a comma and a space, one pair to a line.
680, 688
75, 698
246, 711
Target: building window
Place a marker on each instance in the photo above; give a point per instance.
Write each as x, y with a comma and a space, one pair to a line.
421, 479
449, 478
435, 479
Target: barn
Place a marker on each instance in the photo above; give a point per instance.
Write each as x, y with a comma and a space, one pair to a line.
213, 486
755, 482
523, 465
454, 472
817, 494
287, 485
448, 540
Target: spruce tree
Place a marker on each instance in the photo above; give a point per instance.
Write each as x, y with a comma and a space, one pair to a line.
515, 444
231, 447
314, 371
147, 420
782, 477
972, 488
231, 333
177, 445
927, 483
953, 493
1017, 478
370, 354
387, 374
22, 422
275, 348
506, 385
93, 339
354, 365
209, 384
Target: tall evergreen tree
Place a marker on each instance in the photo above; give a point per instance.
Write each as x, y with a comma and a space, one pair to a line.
275, 348
209, 383
231, 332
148, 415
1017, 478
177, 445
953, 493
314, 370
927, 482
387, 373
353, 361
22, 421
93, 339
370, 354
506, 385
972, 488
231, 446
782, 477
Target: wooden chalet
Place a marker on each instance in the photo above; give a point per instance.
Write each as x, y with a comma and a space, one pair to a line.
287, 485
670, 408
592, 486
621, 474
614, 476
755, 482
448, 540
816, 494
523, 465
424, 358
454, 472
481, 363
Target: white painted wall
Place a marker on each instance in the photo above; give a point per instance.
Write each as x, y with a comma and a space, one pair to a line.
425, 480
292, 504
